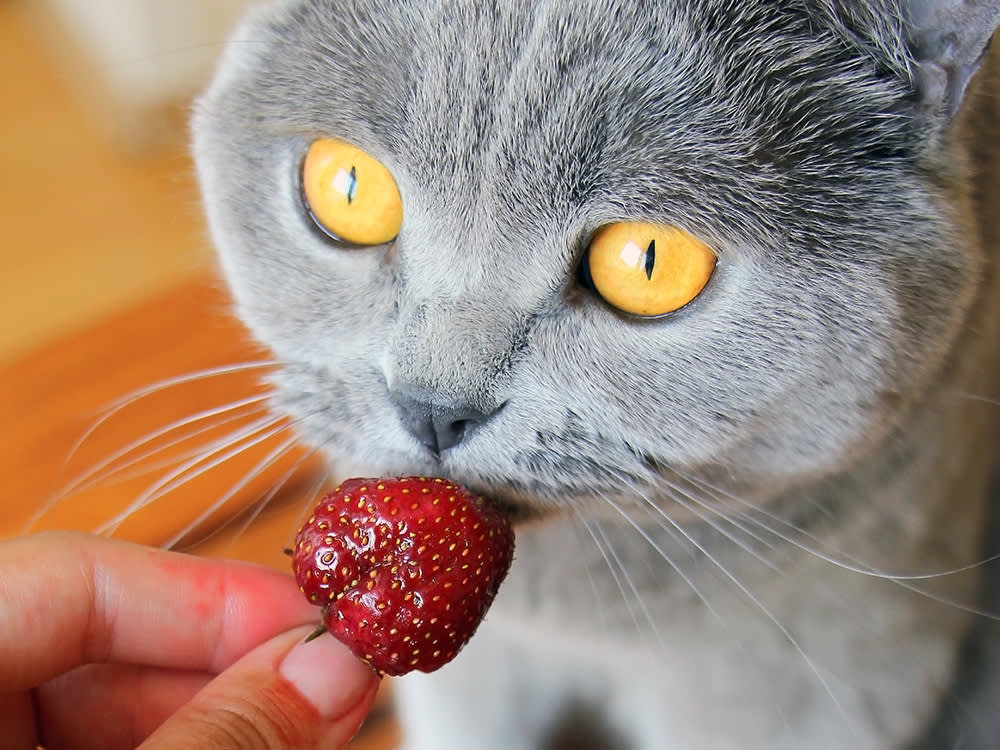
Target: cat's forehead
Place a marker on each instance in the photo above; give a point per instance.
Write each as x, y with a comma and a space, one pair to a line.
672, 110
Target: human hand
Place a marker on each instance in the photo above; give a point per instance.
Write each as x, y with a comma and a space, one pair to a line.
110, 645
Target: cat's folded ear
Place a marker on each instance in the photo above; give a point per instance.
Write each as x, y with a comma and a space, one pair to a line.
949, 39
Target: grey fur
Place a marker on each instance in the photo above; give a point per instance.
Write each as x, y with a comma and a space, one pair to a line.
703, 474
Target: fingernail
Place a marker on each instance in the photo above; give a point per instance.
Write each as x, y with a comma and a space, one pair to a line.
328, 675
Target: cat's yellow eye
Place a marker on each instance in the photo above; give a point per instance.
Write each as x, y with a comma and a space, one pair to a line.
648, 269
351, 195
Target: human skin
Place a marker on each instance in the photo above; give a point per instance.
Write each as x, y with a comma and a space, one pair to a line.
113, 645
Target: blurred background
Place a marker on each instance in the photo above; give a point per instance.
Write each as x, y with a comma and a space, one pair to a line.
99, 205
107, 279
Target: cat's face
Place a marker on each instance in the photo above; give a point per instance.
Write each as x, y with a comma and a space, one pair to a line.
513, 135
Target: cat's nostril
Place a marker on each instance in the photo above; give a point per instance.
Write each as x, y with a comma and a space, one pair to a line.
439, 426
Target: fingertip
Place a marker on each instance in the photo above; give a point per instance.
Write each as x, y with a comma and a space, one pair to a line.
333, 680
286, 693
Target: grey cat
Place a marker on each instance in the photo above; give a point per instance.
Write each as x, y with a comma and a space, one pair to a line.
757, 521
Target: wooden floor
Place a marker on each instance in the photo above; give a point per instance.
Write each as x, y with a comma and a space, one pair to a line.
107, 286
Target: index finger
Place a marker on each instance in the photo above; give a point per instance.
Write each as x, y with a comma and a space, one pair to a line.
68, 599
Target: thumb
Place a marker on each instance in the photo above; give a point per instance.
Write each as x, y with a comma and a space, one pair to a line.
284, 694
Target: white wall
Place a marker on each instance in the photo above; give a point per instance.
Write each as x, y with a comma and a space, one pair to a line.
150, 49
145, 53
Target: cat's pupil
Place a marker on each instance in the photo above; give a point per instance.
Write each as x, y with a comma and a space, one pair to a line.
352, 185
650, 259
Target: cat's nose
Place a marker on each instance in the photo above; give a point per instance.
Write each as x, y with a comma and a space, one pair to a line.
438, 425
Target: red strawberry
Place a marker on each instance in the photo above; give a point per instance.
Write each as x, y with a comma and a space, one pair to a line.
404, 568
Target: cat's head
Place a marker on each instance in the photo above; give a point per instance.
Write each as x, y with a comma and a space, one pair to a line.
803, 144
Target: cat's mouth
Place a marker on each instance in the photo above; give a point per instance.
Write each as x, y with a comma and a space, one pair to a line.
519, 508
518, 511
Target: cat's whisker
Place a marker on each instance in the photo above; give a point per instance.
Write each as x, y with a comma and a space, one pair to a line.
243, 440
755, 600
260, 504
615, 567
991, 400
847, 562
658, 548
853, 565
144, 466
667, 525
138, 466
115, 407
599, 606
692, 504
840, 600
220, 502
96, 473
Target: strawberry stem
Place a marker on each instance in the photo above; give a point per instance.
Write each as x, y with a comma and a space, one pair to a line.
316, 633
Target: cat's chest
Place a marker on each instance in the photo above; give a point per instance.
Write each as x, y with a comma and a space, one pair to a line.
731, 659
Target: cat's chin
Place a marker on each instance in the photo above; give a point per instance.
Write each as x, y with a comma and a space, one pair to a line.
521, 513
